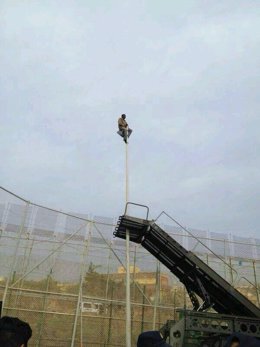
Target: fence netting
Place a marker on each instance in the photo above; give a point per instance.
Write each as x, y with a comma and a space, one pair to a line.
64, 273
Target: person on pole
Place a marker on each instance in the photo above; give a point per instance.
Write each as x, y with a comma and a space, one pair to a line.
124, 130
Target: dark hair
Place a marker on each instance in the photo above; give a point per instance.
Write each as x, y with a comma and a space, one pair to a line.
14, 332
123, 115
8, 339
234, 339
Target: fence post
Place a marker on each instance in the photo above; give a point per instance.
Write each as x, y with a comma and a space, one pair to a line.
110, 315
231, 271
174, 304
156, 294
84, 255
133, 281
225, 274
143, 307
43, 308
15, 256
108, 268
256, 284
184, 298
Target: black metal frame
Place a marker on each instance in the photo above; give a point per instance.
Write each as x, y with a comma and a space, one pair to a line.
199, 279
135, 204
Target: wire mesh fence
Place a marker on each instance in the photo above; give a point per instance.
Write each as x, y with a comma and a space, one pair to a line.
64, 273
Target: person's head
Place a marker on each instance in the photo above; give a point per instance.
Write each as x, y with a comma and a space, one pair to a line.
123, 116
14, 332
151, 339
234, 342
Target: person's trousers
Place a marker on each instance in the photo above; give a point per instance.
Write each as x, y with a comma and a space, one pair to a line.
125, 131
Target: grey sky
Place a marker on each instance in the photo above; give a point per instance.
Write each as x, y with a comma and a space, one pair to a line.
186, 73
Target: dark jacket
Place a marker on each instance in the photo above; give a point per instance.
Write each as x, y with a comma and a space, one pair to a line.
244, 340
122, 123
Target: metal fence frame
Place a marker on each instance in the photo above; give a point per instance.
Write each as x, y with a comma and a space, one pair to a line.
27, 281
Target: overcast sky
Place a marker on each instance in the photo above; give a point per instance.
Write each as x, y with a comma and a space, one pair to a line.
186, 73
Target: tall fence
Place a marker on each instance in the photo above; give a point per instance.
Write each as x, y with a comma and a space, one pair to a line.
64, 273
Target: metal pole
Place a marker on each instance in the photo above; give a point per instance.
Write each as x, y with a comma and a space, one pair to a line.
128, 292
42, 321
110, 314
231, 272
126, 173
15, 256
81, 321
174, 304
133, 294
143, 307
225, 275
184, 298
156, 294
83, 266
256, 284
108, 269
